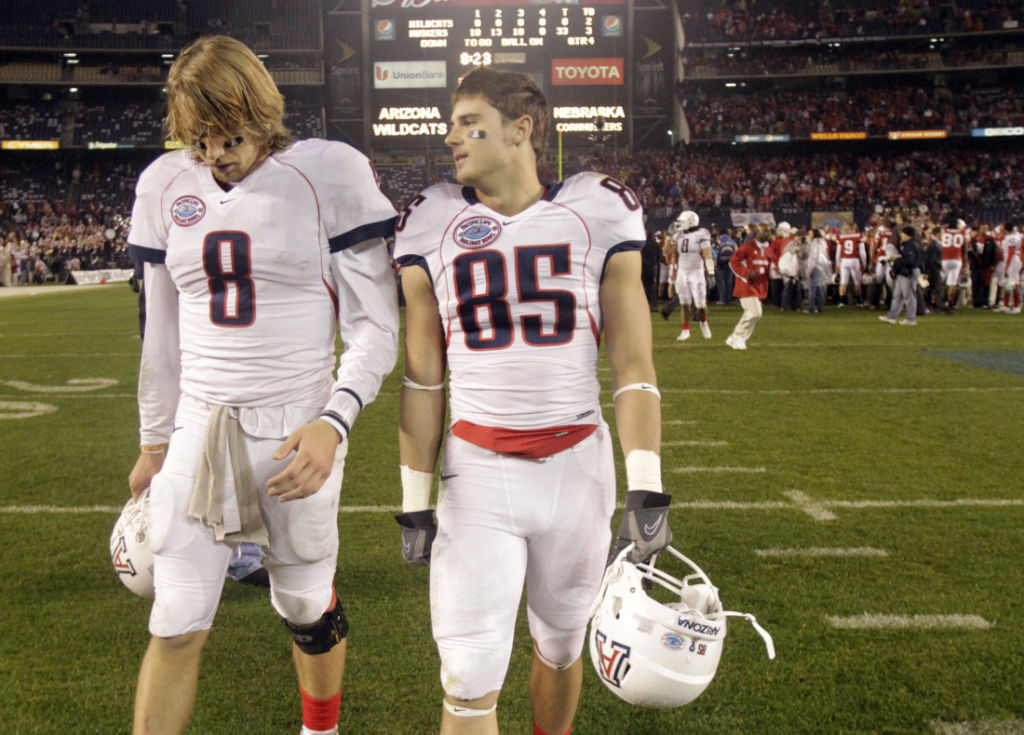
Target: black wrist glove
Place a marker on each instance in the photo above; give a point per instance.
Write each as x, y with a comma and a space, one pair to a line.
644, 523
418, 531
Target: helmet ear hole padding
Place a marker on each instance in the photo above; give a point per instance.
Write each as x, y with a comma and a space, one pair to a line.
659, 655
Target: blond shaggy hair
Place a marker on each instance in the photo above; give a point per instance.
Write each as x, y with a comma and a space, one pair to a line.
217, 87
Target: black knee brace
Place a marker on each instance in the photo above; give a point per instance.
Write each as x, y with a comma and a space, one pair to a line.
324, 634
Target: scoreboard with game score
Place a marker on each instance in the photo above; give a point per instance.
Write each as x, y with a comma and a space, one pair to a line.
576, 51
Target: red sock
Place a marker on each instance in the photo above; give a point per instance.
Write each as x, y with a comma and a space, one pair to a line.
538, 731
320, 714
686, 326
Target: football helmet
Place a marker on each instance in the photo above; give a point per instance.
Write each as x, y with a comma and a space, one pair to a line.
129, 547
653, 654
784, 229
687, 220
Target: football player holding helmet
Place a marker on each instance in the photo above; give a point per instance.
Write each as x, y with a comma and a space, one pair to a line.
653, 654
129, 547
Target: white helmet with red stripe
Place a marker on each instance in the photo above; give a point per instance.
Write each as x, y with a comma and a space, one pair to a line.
653, 654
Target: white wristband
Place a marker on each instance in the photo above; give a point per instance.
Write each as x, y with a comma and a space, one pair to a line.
415, 489
643, 470
646, 387
408, 382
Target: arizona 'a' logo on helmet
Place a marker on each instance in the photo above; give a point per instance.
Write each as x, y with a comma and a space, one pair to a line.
129, 547
613, 659
653, 654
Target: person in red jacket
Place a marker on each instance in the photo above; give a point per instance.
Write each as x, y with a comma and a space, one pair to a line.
750, 263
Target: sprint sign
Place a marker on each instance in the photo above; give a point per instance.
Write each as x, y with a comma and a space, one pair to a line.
578, 72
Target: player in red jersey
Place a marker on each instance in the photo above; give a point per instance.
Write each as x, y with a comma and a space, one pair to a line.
850, 260
881, 245
954, 256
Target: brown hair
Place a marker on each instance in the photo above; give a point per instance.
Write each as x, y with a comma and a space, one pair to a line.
513, 94
217, 86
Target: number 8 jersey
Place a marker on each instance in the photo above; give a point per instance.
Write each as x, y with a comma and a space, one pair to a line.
263, 277
519, 295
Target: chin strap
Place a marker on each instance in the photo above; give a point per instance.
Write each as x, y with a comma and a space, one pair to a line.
768, 642
615, 569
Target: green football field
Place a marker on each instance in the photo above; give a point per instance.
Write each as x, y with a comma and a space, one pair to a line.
856, 485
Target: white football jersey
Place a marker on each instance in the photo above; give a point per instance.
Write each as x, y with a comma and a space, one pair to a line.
519, 295
690, 245
1011, 246
264, 272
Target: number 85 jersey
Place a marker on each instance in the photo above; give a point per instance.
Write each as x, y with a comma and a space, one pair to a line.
519, 297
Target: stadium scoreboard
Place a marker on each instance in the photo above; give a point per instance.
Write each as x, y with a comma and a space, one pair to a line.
575, 51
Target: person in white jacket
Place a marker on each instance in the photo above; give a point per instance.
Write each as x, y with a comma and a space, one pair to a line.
819, 272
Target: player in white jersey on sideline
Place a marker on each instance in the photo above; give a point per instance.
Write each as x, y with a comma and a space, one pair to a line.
509, 284
695, 266
257, 252
1011, 276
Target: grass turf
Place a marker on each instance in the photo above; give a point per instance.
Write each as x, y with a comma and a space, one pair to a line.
833, 431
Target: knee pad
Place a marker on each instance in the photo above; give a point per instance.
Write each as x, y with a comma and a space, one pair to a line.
460, 711
555, 647
468, 674
177, 612
548, 662
323, 634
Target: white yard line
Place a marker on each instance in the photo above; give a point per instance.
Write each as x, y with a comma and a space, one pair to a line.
874, 390
877, 621
815, 509
823, 551
707, 504
689, 469
696, 443
984, 726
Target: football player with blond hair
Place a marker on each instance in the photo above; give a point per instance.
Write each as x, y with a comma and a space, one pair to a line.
258, 252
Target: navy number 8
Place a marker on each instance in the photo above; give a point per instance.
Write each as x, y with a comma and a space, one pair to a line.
226, 260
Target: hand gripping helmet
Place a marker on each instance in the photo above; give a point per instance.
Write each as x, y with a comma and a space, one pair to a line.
687, 220
653, 654
129, 547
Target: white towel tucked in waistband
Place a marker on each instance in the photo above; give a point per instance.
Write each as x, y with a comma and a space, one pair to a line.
224, 495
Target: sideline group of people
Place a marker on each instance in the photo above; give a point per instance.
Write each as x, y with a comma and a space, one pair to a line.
258, 250
904, 264
42, 243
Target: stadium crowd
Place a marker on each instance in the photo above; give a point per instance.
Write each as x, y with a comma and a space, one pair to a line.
767, 20
716, 183
875, 110
46, 242
52, 211
759, 61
